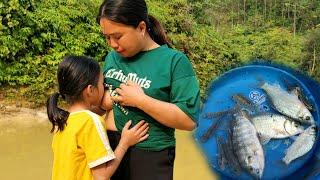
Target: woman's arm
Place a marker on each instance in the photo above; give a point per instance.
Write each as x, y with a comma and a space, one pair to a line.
168, 114
107, 103
109, 118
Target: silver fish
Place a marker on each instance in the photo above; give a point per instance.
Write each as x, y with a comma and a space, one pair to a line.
301, 145
294, 87
288, 103
247, 146
275, 126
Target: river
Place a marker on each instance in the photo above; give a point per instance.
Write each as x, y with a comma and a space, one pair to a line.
25, 148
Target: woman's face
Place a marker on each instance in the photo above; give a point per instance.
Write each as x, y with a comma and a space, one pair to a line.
124, 39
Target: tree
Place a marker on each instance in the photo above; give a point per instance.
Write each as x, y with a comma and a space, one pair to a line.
312, 47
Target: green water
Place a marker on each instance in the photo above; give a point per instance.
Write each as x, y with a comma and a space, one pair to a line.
25, 151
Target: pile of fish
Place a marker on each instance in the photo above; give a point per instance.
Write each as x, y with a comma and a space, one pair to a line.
250, 129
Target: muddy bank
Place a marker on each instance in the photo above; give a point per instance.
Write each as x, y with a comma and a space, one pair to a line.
10, 113
15, 120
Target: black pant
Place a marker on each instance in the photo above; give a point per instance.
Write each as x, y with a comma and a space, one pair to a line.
139, 164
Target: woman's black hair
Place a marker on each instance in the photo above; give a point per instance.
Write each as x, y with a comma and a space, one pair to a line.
75, 73
132, 12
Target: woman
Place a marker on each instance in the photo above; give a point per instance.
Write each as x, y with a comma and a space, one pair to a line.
147, 80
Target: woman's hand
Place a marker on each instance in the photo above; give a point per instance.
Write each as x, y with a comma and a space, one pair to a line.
129, 94
166, 113
138, 133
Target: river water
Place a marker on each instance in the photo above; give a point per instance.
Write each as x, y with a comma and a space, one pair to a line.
25, 149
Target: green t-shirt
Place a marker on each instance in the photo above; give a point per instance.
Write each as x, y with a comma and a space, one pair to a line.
164, 74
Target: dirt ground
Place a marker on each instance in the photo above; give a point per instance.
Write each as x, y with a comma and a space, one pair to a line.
23, 129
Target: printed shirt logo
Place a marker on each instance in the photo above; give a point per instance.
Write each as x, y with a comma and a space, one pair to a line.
114, 93
118, 75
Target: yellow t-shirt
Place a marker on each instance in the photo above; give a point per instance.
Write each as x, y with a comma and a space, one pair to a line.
82, 145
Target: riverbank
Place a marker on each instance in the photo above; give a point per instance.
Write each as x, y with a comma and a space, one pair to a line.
20, 115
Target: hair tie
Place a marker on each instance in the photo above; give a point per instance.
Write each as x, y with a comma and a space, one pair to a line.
62, 95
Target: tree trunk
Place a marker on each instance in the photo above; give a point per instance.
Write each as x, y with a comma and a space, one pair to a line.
288, 12
275, 9
256, 14
232, 15
244, 11
282, 12
294, 19
314, 59
270, 10
265, 10
239, 17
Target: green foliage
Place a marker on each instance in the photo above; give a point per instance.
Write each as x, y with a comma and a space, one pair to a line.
35, 36
276, 44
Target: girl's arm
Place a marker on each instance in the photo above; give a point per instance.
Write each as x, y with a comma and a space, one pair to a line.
129, 137
105, 171
168, 114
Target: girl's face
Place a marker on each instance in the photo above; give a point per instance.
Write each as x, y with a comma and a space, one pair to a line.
124, 39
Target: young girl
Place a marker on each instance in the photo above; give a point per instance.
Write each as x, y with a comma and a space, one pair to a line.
80, 144
150, 81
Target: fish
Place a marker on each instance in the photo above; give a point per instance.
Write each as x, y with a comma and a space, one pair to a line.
301, 145
224, 116
295, 88
287, 103
227, 155
275, 126
210, 131
244, 102
213, 115
222, 161
246, 145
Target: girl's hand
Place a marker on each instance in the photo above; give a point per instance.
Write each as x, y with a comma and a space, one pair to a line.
129, 94
138, 133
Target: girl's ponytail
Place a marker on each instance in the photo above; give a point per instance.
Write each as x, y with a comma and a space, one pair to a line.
57, 116
156, 31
